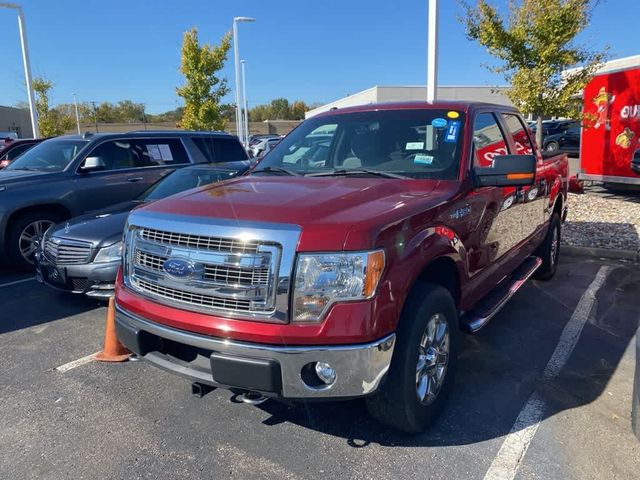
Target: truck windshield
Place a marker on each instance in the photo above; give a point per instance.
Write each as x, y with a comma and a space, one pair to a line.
421, 143
49, 156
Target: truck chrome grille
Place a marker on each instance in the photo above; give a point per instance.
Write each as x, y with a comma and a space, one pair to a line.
215, 274
199, 242
61, 251
189, 298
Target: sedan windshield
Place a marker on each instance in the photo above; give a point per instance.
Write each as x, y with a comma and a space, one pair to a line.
185, 179
421, 143
49, 156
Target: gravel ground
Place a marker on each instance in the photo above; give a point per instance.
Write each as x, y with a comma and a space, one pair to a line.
603, 221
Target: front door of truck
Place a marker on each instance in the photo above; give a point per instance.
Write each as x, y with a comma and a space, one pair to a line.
498, 227
533, 197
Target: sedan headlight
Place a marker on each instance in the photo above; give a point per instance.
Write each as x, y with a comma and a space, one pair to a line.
109, 254
326, 278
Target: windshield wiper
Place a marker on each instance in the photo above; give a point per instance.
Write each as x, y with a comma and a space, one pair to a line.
357, 171
276, 170
27, 169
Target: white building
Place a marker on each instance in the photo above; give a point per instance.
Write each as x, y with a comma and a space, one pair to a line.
382, 94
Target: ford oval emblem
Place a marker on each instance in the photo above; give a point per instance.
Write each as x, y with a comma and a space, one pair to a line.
179, 268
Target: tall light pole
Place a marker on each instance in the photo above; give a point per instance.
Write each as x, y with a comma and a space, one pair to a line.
245, 117
75, 104
236, 56
27, 65
432, 52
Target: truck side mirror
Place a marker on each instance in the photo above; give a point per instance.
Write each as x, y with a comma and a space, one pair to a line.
507, 171
93, 164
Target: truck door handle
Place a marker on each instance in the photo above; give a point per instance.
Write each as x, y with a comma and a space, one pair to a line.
135, 179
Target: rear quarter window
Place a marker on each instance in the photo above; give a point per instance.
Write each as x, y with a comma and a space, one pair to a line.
220, 149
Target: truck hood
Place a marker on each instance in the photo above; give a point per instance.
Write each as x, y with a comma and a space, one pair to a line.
327, 209
101, 228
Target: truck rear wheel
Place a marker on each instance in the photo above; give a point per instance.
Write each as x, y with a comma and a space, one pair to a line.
423, 365
549, 251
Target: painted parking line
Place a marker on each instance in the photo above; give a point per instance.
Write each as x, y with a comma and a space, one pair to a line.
76, 363
505, 465
24, 280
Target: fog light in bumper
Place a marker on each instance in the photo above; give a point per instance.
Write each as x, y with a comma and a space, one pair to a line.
326, 373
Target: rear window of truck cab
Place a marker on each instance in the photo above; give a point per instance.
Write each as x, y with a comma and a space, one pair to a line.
420, 143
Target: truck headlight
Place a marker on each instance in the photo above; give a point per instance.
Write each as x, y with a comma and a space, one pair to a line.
323, 279
109, 254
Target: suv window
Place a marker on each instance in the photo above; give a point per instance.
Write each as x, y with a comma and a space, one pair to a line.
139, 153
519, 133
14, 152
488, 140
161, 151
220, 149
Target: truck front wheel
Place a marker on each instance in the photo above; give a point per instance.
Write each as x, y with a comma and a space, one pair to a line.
423, 365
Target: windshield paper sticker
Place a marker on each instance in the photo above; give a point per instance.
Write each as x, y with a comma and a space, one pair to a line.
439, 122
452, 132
453, 114
423, 159
414, 146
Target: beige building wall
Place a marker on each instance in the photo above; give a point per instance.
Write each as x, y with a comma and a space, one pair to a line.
16, 120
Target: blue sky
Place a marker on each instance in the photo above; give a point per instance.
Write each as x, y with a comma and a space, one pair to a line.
316, 51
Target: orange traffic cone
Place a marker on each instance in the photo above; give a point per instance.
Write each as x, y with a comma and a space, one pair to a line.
113, 350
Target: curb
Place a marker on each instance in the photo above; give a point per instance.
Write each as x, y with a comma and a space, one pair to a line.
596, 252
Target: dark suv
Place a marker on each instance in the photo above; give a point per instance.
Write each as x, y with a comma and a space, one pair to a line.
67, 176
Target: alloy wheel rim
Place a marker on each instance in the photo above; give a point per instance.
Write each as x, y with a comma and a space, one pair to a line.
433, 359
28, 237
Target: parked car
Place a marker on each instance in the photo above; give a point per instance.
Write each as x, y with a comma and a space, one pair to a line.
253, 139
263, 146
553, 127
354, 276
17, 147
8, 137
566, 142
83, 254
67, 176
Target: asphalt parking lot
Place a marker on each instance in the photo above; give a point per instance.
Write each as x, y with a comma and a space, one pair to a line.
131, 420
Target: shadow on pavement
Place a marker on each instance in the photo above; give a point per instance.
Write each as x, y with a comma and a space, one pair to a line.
29, 304
500, 367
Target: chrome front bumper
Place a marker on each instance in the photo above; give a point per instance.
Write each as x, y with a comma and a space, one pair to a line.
360, 368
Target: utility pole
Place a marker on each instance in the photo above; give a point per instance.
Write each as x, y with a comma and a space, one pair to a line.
245, 118
75, 103
95, 115
236, 57
432, 52
27, 66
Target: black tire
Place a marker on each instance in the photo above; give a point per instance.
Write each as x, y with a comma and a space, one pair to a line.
16, 229
552, 147
397, 404
549, 251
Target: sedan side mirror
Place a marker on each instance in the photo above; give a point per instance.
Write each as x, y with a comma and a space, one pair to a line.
507, 171
93, 164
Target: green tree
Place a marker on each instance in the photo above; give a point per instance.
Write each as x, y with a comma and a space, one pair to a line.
51, 122
298, 109
203, 89
280, 109
535, 45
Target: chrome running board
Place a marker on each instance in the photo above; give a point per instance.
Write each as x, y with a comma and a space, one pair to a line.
492, 303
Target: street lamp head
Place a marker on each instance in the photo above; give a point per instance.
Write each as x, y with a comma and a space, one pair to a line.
243, 19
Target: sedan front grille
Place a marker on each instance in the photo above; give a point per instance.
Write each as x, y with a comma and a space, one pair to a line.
61, 251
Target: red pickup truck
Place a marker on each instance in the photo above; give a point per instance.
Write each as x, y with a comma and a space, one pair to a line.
350, 260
